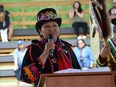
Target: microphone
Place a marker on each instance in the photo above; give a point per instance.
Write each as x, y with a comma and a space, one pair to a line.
50, 38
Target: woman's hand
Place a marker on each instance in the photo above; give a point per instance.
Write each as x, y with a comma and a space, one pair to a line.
81, 15
71, 13
91, 65
16, 68
50, 45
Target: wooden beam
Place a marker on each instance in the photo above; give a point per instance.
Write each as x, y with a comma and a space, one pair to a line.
13, 14
67, 21
39, 3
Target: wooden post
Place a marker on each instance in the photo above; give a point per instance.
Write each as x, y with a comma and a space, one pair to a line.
95, 44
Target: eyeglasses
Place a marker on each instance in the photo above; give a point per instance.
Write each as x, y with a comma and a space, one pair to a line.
80, 43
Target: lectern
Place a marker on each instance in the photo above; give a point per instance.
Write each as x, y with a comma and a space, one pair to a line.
83, 79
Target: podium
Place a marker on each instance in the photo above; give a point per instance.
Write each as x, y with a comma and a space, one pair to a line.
83, 79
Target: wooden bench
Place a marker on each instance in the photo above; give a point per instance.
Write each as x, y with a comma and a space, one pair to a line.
6, 65
9, 47
67, 34
26, 14
6, 58
29, 34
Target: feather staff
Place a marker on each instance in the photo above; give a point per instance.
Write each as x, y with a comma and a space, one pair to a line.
99, 9
103, 20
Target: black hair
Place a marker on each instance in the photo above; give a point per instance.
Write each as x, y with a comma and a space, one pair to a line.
1, 8
80, 8
82, 41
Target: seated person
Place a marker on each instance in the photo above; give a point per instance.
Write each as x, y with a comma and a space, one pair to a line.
18, 55
84, 55
77, 18
5, 25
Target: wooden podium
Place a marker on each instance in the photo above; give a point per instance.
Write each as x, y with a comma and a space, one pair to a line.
83, 79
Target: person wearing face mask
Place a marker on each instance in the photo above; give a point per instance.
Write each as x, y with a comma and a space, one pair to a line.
84, 55
76, 14
37, 59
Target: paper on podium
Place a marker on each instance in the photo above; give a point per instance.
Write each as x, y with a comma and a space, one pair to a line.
70, 70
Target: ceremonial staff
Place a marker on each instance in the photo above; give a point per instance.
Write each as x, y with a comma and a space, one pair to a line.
100, 20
